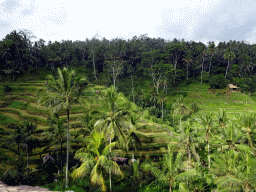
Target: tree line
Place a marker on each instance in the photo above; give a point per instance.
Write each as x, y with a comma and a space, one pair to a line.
164, 62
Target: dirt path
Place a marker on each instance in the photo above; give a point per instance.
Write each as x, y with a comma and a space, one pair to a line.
21, 188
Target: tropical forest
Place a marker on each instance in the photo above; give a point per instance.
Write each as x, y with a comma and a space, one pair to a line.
143, 114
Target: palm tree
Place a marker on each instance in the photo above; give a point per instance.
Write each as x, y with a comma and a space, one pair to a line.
115, 121
222, 118
207, 121
18, 138
56, 133
95, 160
188, 140
12, 69
240, 171
30, 139
68, 88
154, 96
180, 106
211, 51
5, 50
188, 60
171, 170
161, 99
133, 135
228, 55
231, 136
247, 124
87, 124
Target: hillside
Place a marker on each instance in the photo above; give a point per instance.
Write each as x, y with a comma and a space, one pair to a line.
21, 104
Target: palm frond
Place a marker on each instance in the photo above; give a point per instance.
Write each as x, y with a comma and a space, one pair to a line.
84, 169
192, 174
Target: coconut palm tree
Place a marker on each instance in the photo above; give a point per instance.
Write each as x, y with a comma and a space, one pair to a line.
67, 88
222, 118
239, 171
247, 123
95, 160
5, 52
115, 122
171, 170
211, 50
231, 136
228, 55
188, 140
57, 134
207, 122
180, 106
160, 100
17, 138
31, 141
188, 60
133, 138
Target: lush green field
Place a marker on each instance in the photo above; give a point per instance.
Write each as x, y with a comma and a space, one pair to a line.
21, 104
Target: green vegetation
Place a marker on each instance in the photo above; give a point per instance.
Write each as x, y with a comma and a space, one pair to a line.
168, 120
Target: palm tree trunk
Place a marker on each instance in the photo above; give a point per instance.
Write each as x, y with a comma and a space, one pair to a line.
210, 65
61, 157
227, 70
132, 90
208, 149
110, 188
202, 75
18, 152
180, 118
187, 71
162, 110
94, 69
19, 57
27, 161
175, 65
67, 148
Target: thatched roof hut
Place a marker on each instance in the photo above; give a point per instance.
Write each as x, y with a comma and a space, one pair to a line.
233, 88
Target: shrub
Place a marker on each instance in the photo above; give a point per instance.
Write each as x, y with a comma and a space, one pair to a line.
218, 82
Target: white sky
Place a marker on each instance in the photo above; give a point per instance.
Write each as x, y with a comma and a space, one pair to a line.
198, 20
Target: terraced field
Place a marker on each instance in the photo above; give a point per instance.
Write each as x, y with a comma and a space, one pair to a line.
22, 104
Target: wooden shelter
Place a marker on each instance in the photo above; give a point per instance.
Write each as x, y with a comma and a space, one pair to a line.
233, 88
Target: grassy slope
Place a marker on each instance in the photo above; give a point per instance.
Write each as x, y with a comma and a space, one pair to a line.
22, 104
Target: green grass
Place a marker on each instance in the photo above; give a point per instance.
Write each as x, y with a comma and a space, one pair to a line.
18, 105
4, 119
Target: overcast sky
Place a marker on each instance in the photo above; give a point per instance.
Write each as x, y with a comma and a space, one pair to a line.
198, 20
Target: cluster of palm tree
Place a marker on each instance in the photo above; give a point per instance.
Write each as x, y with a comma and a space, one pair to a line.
115, 124
25, 138
211, 152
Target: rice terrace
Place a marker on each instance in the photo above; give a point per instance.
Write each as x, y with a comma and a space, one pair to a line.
136, 115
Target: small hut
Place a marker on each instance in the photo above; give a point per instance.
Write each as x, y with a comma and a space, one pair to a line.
233, 88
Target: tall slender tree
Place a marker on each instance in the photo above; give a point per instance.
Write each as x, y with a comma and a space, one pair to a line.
207, 121
228, 55
67, 88
115, 121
